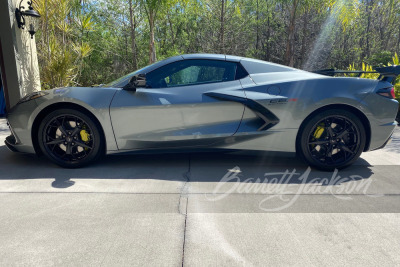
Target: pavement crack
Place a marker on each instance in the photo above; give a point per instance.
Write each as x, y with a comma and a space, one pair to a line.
184, 191
183, 205
184, 234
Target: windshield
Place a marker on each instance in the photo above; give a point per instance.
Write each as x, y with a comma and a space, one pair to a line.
121, 82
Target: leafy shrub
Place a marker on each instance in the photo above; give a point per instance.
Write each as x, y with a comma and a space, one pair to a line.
378, 59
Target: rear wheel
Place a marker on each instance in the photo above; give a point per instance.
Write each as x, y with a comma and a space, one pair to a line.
332, 139
70, 138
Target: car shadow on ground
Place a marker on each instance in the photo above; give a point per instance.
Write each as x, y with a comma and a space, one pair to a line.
196, 167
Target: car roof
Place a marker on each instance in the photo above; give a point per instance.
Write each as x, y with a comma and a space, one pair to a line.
252, 66
212, 57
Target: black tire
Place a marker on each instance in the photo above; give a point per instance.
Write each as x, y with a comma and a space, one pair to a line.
332, 139
70, 138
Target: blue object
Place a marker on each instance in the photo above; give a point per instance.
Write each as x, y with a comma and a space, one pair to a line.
2, 100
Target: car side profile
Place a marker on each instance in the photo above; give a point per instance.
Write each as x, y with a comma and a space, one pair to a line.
210, 101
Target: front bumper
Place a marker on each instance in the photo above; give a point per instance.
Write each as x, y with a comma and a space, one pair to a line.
19, 122
15, 144
10, 143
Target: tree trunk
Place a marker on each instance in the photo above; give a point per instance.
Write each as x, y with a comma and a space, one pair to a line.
171, 29
389, 28
133, 35
222, 28
257, 28
369, 10
152, 48
398, 39
268, 40
289, 55
304, 43
268, 37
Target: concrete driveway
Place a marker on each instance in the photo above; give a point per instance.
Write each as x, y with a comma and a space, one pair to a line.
174, 210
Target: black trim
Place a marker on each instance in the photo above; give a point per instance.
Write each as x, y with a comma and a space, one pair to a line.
10, 143
387, 74
333, 72
240, 72
267, 116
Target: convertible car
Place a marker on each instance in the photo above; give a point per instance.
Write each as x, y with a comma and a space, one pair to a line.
210, 101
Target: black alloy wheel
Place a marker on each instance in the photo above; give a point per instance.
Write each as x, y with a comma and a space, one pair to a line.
70, 138
333, 139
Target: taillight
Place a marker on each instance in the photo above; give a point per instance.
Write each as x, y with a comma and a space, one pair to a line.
388, 92
392, 93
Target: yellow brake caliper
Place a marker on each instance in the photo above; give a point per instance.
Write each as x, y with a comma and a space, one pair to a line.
319, 131
85, 136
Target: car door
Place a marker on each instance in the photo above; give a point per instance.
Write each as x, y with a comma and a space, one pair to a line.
176, 109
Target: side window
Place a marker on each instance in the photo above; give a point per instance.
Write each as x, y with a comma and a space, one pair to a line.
186, 76
192, 72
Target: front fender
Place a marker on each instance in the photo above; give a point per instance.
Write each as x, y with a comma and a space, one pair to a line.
95, 100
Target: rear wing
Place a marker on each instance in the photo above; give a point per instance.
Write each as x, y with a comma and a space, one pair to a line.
387, 74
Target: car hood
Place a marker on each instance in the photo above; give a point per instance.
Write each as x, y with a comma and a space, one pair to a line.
79, 90
88, 97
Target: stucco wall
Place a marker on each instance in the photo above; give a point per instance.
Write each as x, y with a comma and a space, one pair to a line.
25, 53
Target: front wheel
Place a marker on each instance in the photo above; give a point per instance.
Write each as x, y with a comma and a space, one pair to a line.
70, 138
332, 139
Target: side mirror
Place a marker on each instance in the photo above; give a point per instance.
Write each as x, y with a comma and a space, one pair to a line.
136, 81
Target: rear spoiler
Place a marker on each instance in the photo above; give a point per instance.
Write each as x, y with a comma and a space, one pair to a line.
387, 74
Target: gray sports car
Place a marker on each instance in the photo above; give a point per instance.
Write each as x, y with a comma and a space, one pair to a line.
211, 101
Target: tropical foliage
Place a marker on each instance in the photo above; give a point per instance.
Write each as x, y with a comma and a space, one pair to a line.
368, 68
86, 42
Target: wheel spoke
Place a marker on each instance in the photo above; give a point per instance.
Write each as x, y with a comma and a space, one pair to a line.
329, 152
61, 126
55, 142
342, 134
345, 148
78, 143
75, 131
69, 150
317, 142
73, 154
330, 131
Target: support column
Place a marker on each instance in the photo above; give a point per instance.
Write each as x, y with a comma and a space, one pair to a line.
18, 58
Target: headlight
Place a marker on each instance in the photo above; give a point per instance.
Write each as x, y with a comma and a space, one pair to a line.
32, 96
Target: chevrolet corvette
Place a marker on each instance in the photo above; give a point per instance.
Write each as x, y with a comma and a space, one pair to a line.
211, 101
